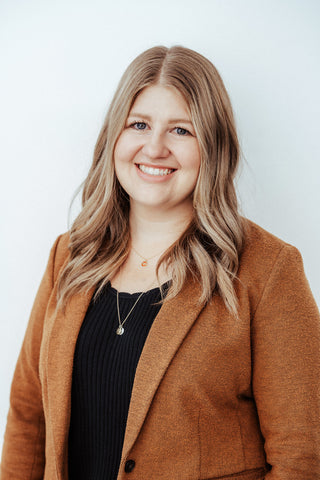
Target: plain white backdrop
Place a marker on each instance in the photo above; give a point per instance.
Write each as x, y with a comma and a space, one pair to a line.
59, 65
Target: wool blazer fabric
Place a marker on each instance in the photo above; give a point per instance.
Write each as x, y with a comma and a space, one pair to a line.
214, 396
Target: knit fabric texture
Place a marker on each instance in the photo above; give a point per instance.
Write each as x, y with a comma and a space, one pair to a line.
103, 375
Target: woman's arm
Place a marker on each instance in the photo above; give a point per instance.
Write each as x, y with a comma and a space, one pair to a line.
286, 371
23, 455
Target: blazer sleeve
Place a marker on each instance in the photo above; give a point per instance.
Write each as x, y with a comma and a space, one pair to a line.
23, 455
286, 370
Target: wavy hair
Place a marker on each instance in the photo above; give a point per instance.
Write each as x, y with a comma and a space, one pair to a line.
209, 248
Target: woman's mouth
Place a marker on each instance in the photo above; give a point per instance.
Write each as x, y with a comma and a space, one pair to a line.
155, 171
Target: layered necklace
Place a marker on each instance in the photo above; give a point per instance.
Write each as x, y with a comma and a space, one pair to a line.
144, 263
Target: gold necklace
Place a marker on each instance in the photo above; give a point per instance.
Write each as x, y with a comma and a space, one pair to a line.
120, 329
145, 260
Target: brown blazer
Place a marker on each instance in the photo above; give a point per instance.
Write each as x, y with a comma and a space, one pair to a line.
214, 396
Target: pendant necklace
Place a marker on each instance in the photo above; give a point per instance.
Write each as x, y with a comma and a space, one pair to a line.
120, 329
145, 260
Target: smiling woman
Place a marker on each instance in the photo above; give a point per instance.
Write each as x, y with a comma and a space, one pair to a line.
157, 159
170, 338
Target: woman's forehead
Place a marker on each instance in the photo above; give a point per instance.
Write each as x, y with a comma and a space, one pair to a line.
159, 98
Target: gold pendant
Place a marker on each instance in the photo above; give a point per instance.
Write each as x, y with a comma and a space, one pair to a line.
120, 330
144, 263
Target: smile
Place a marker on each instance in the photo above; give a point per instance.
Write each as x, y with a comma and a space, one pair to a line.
155, 171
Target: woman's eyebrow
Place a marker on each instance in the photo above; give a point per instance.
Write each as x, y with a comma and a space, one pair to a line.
171, 120
180, 120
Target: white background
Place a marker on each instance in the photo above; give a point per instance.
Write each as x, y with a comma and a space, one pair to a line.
60, 62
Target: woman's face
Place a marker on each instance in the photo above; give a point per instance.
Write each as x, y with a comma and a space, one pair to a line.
157, 156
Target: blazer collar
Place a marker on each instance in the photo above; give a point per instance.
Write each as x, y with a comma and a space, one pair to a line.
169, 328
62, 342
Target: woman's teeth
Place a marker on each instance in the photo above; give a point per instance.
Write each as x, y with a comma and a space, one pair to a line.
155, 171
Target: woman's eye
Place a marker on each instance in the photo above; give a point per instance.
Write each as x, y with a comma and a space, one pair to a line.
182, 131
139, 125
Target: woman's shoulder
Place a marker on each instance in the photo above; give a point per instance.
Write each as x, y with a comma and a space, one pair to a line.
60, 252
260, 242
262, 252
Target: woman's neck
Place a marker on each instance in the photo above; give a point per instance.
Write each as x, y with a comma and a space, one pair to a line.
153, 233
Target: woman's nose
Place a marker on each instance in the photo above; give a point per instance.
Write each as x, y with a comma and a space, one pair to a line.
155, 146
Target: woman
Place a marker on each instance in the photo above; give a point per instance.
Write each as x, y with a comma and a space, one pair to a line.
170, 337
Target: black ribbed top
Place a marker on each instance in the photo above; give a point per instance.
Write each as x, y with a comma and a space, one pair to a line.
103, 373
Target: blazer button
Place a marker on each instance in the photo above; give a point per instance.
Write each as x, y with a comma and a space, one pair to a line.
129, 466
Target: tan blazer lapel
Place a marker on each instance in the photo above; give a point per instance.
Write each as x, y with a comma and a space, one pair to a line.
166, 335
61, 348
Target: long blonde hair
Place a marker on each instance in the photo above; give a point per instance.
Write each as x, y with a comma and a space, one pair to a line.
209, 248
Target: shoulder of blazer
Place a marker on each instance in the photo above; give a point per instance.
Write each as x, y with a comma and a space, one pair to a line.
261, 238
262, 253
61, 254
261, 248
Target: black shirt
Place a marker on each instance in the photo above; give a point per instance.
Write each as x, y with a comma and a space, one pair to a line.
103, 373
